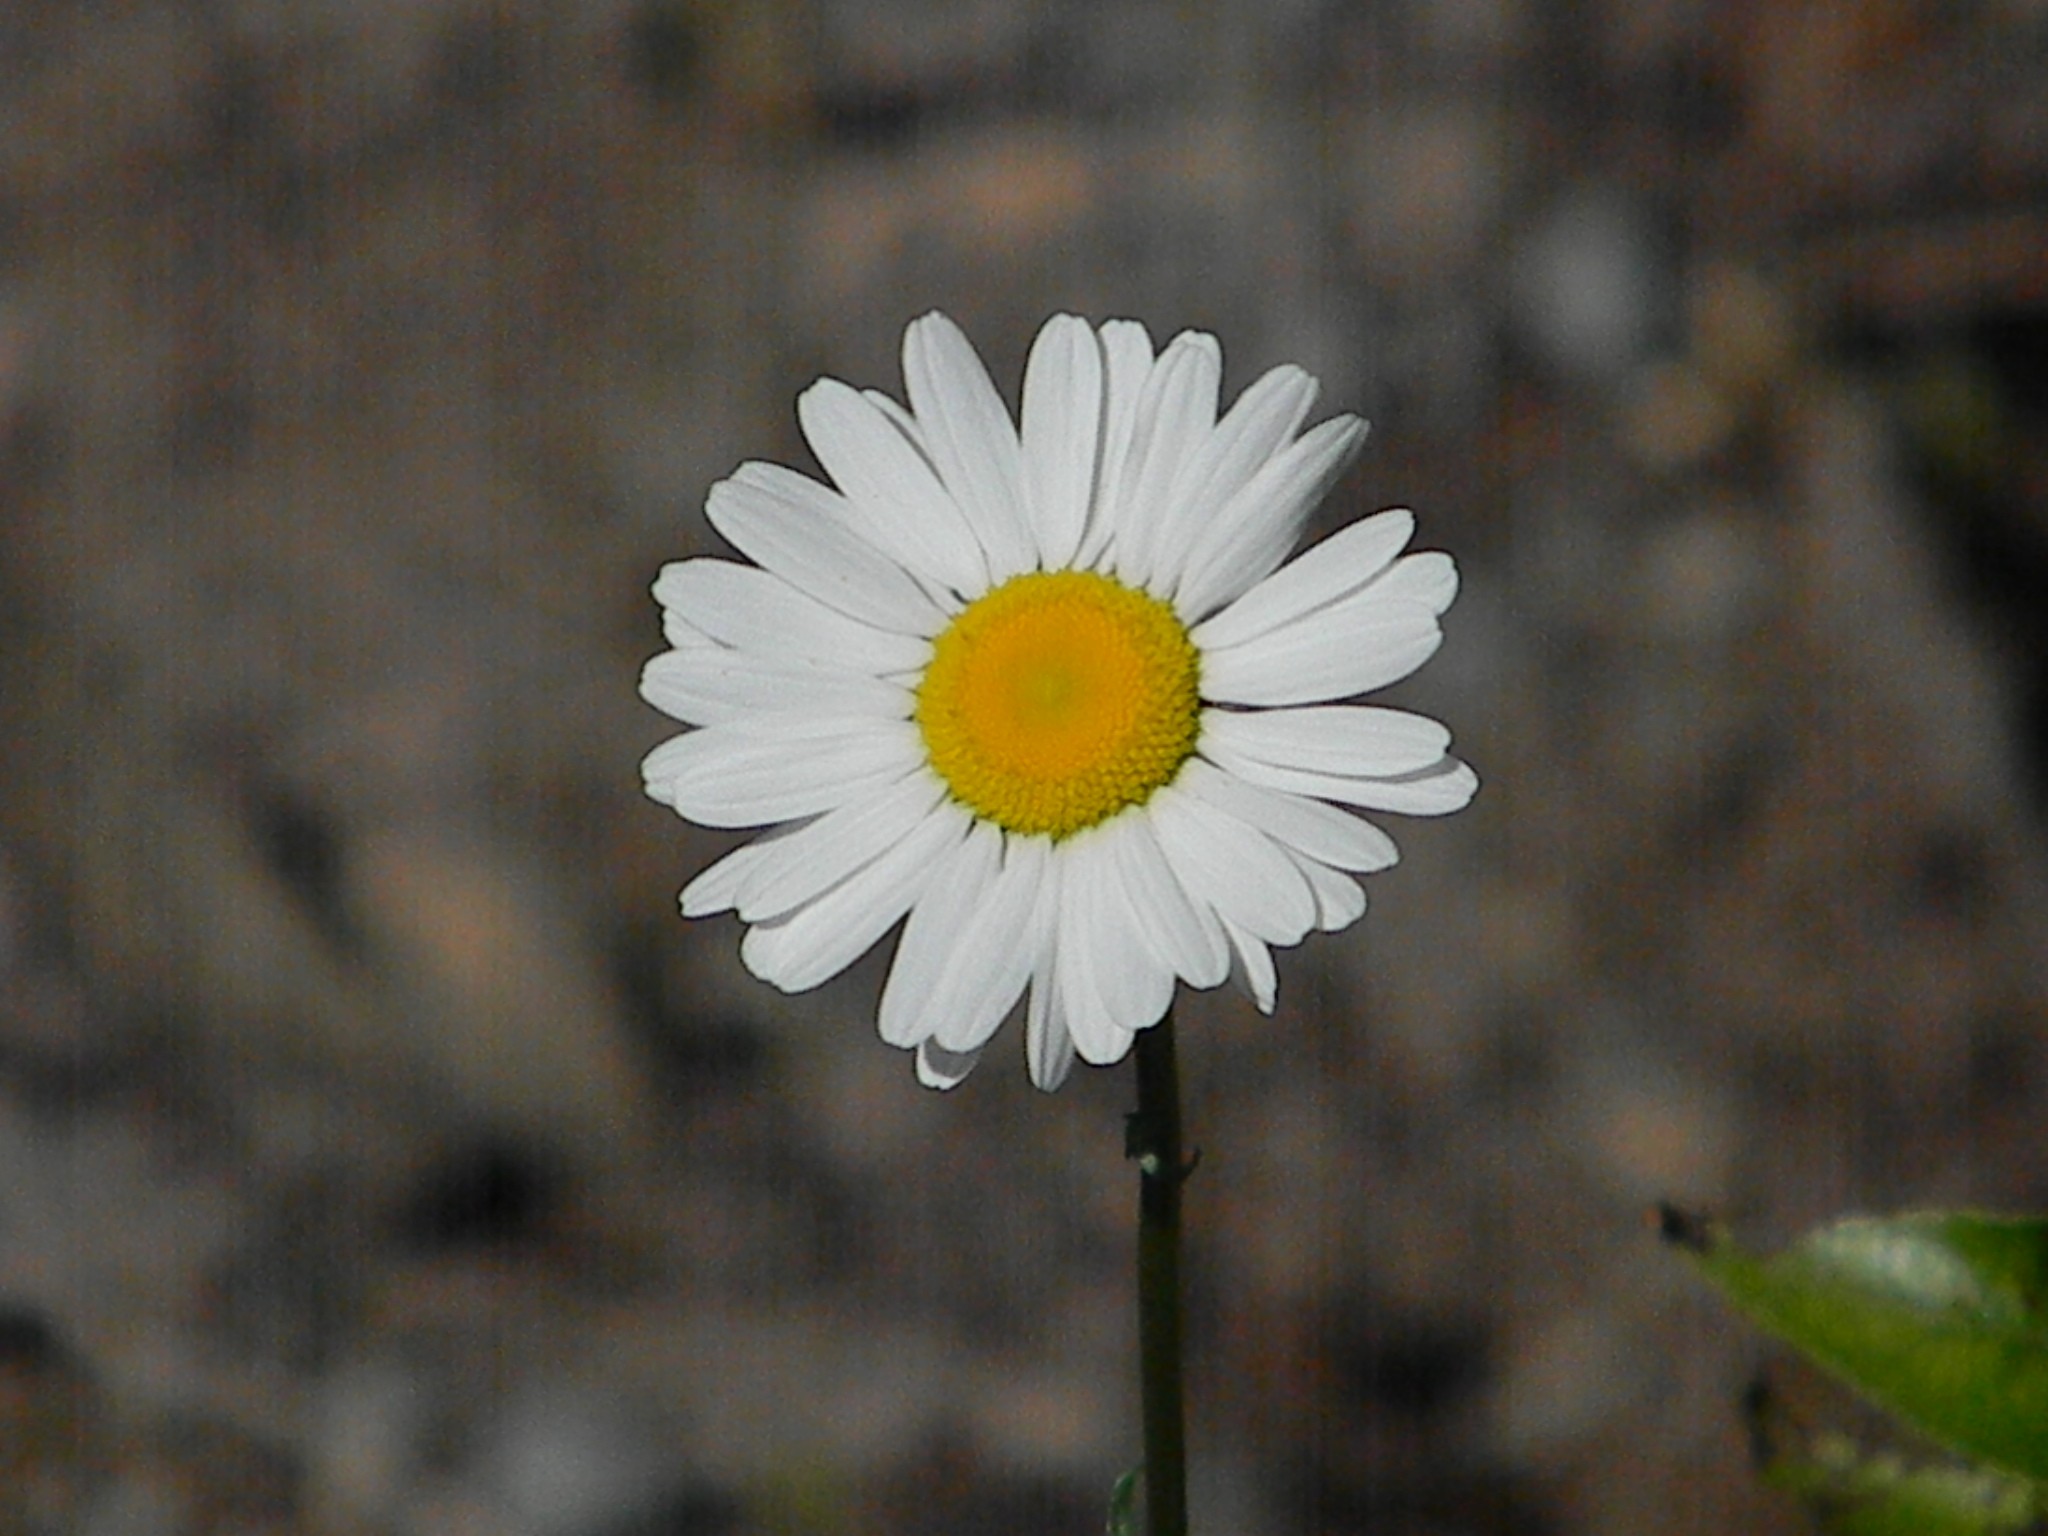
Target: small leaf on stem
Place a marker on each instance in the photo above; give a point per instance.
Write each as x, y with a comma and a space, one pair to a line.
1123, 1504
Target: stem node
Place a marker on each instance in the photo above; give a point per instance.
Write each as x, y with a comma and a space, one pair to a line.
1152, 1140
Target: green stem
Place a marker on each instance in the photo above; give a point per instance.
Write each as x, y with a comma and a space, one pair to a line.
1153, 1138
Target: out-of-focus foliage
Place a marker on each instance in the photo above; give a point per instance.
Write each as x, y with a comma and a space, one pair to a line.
1939, 1317
1859, 1494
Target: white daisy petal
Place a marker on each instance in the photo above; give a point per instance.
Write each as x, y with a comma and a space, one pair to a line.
938, 1067
1062, 428
1263, 420
1339, 652
1243, 876
816, 942
933, 935
959, 967
1048, 1047
798, 867
988, 970
969, 434
1258, 526
681, 633
1101, 1043
1430, 578
1334, 569
717, 887
707, 685
1112, 985
1359, 740
1307, 827
1340, 900
1251, 967
903, 508
754, 610
1182, 933
1436, 791
1095, 1039
903, 421
1176, 414
778, 767
1126, 365
806, 533
1076, 940
1134, 983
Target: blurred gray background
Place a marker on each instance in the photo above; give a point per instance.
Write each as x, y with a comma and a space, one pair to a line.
379, 1151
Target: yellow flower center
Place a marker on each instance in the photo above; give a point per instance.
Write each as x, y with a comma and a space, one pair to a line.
1059, 698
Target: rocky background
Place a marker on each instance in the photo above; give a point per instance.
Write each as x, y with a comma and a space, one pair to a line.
379, 1152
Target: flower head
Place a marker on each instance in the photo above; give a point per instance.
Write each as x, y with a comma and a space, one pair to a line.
1050, 693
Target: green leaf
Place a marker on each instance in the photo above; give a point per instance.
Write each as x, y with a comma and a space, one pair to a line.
1856, 1492
1941, 1317
1860, 1495
1123, 1504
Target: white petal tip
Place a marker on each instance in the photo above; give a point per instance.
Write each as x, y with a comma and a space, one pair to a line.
1451, 786
778, 970
1112, 1047
1048, 1077
940, 1068
1132, 330
1198, 341
1353, 430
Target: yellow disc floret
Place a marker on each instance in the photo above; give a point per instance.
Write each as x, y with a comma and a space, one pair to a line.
1059, 698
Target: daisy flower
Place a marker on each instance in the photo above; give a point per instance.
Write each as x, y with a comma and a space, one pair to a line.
1049, 694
